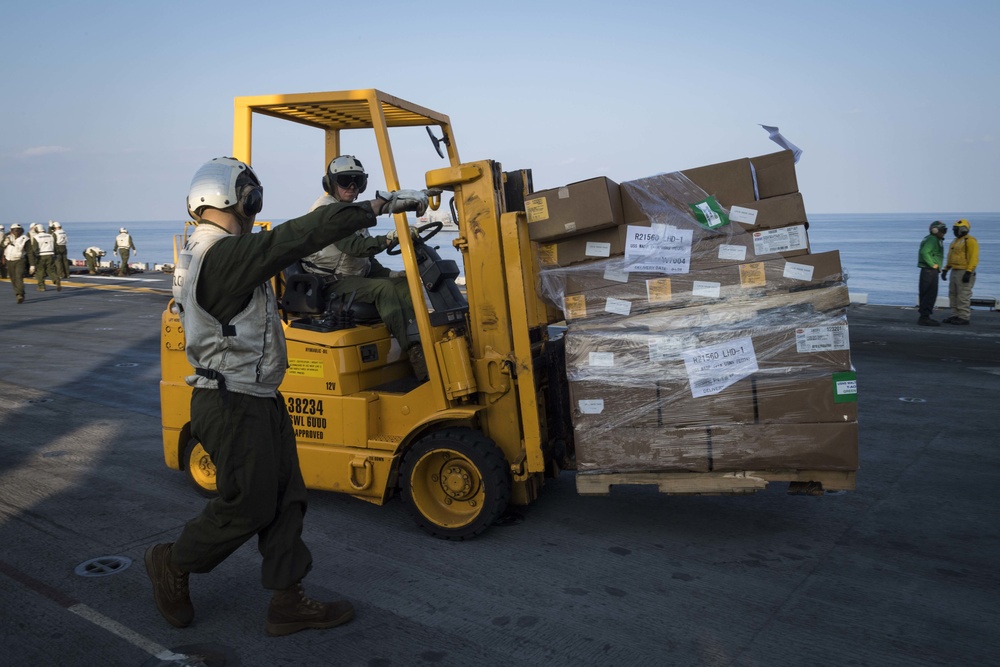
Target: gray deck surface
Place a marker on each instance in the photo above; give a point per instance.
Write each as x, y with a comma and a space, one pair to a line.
904, 571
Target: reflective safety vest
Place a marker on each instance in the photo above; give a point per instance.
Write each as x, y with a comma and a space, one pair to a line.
61, 237
46, 244
247, 354
15, 248
330, 261
123, 241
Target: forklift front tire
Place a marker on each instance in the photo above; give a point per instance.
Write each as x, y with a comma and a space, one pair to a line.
200, 469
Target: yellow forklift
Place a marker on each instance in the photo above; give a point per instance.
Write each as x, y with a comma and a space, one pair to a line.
490, 424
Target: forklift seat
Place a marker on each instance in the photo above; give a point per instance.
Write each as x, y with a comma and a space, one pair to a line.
303, 295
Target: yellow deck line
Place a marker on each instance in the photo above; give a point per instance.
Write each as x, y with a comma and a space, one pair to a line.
127, 288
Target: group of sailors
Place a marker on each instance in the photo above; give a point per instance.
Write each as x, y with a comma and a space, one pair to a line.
42, 253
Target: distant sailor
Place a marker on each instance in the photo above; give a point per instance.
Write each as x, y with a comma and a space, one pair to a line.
15, 255
124, 244
929, 259
93, 256
62, 261
963, 258
43, 247
3, 244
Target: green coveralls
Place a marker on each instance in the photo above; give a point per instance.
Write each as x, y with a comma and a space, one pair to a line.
3, 244
251, 439
391, 296
46, 267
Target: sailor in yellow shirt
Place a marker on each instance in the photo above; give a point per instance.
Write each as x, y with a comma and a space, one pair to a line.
963, 258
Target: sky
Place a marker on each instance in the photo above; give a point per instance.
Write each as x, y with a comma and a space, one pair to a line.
109, 107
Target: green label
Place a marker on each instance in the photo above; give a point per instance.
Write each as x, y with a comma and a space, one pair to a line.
709, 213
845, 387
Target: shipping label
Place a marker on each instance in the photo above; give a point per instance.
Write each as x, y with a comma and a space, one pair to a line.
753, 275
706, 289
822, 339
616, 275
570, 227
658, 290
575, 306
798, 271
602, 359
747, 216
618, 306
785, 239
591, 406
845, 387
595, 249
712, 368
658, 249
734, 253
537, 209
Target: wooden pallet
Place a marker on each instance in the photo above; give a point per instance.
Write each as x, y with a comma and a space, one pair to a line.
711, 483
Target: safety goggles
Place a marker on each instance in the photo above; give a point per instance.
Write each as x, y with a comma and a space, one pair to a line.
347, 180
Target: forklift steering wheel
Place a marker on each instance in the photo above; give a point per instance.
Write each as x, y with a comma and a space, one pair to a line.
432, 228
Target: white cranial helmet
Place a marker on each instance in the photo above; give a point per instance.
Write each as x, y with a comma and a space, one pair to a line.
56, 225
123, 231
225, 182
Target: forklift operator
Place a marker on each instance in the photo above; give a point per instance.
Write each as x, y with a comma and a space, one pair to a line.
349, 266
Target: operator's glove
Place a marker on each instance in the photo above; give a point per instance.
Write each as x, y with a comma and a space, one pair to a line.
944, 275
967, 276
398, 201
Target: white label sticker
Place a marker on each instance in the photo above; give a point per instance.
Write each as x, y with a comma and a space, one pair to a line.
845, 387
604, 359
798, 271
563, 193
570, 227
735, 253
595, 249
712, 368
616, 275
705, 288
747, 216
822, 339
784, 239
618, 306
658, 249
591, 406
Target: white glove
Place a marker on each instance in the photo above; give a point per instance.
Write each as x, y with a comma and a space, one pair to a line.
391, 237
398, 201
31, 270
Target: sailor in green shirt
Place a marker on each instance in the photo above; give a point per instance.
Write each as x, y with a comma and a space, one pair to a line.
929, 259
235, 342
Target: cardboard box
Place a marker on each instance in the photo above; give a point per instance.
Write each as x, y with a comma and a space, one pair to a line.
604, 289
770, 213
585, 247
729, 182
807, 398
774, 175
597, 404
573, 209
642, 449
784, 447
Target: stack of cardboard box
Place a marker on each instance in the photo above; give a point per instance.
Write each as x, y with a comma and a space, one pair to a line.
701, 334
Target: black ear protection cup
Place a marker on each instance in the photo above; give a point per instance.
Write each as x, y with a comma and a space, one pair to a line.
327, 186
251, 200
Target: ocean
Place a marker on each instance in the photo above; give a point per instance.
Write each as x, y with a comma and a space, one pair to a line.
878, 251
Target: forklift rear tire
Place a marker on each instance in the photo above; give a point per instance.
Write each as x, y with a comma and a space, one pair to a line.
200, 469
455, 483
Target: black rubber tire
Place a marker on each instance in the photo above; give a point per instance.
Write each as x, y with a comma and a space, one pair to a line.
455, 514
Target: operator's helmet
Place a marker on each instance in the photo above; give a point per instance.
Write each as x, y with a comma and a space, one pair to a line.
961, 227
225, 182
344, 171
938, 226
17, 227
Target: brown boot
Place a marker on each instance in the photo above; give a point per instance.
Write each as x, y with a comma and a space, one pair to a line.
417, 361
291, 611
170, 586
